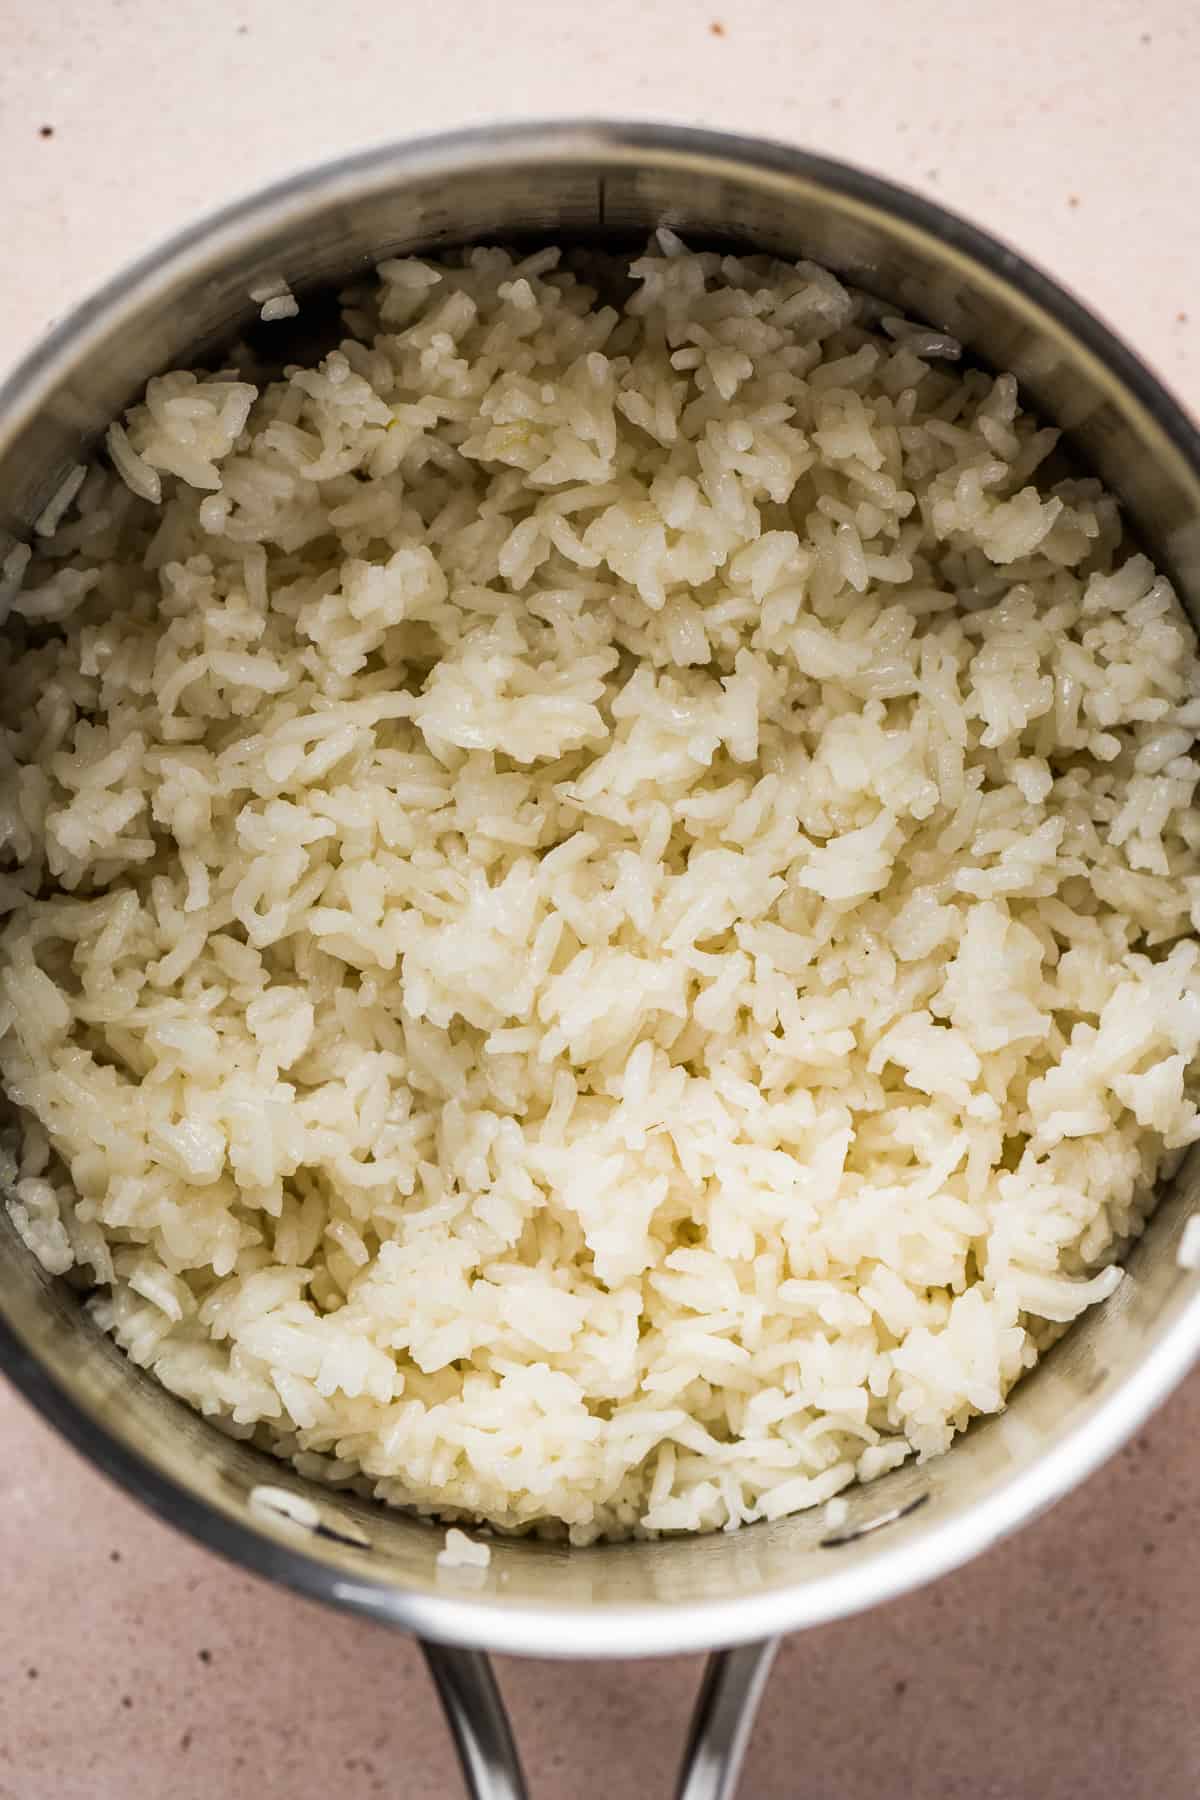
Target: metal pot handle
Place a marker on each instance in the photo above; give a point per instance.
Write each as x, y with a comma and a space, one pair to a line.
726, 1703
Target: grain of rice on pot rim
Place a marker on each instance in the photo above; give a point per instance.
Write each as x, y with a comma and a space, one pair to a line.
598, 896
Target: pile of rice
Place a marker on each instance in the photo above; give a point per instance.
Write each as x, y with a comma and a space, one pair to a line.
599, 896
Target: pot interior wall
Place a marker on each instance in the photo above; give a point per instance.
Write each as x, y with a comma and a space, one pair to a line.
574, 183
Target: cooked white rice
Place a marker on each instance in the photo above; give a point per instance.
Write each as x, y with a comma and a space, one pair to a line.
463, 1552
600, 896
53, 513
274, 299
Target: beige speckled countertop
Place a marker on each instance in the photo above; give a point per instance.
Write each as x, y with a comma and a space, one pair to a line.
1064, 1665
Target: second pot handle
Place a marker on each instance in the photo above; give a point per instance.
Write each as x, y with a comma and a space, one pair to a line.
723, 1720
478, 1721
728, 1699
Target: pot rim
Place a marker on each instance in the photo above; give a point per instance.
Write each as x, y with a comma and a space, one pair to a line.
600, 1630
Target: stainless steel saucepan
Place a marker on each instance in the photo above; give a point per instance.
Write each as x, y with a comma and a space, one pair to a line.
605, 181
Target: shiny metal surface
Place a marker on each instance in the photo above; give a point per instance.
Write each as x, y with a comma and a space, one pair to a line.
717, 1739
1111, 1369
723, 1720
478, 1722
